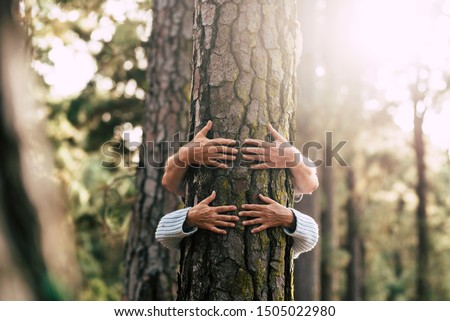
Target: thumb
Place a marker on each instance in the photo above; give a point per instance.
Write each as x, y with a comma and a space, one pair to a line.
209, 199
276, 135
266, 199
204, 131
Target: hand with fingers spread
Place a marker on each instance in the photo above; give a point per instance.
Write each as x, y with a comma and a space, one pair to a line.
281, 154
200, 151
276, 154
269, 214
177, 225
209, 217
208, 152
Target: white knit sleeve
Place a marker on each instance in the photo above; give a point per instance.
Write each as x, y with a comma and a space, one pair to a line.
170, 230
306, 233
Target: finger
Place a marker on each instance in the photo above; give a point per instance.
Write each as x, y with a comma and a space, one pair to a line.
257, 142
205, 129
209, 199
255, 158
250, 213
224, 157
276, 135
220, 149
213, 163
256, 207
266, 199
261, 166
224, 208
254, 150
252, 222
228, 218
217, 230
260, 229
221, 141
224, 224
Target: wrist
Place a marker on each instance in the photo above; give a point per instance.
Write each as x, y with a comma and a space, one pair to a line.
183, 156
290, 221
292, 156
188, 224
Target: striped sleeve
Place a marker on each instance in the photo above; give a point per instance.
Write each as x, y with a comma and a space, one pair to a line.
170, 230
306, 233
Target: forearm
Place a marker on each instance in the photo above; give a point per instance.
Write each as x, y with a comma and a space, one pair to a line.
304, 175
175, 172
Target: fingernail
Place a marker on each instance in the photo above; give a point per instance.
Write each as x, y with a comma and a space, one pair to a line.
240, 213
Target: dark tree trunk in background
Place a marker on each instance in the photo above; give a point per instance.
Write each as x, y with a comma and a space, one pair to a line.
150, 269
355, 268
19, 221
328, 234
422, 247
307, 266
244, 77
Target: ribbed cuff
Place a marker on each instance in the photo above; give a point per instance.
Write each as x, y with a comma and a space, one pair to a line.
170, 230
306, 233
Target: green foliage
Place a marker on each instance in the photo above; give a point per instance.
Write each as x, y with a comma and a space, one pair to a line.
111, 36
106, 99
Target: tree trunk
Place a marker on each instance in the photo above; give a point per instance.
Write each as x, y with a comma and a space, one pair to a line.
244, 77
422, 248
150, 269
355, 268
307, 267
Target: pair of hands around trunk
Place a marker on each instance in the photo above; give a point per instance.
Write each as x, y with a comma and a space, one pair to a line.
219, 151
269, 214
262, 155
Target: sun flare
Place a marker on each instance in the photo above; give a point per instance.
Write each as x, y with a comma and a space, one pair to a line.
405, 43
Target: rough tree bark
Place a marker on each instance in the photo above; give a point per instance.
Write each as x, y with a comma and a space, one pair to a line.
150, 269
243, 77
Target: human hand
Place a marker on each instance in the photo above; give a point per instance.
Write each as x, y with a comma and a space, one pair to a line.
277, 154
209, 218
209, 152
270, 214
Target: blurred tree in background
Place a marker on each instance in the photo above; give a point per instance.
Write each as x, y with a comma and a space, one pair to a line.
361, 80
150, 269
91, 55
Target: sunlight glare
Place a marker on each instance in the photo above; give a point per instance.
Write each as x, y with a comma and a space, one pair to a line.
391, 30
71, 69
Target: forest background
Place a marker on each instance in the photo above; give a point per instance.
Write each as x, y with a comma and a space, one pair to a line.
374, 78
